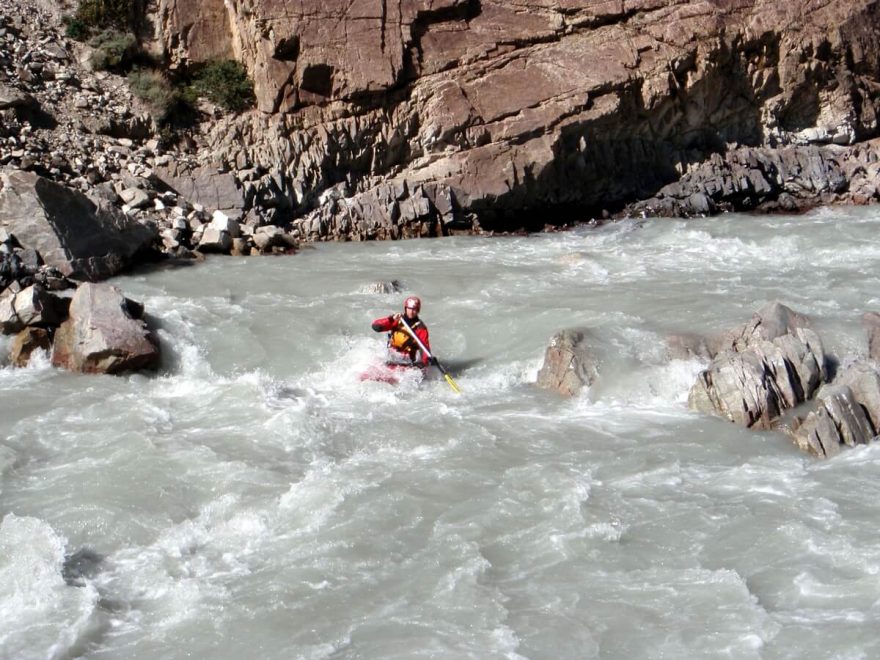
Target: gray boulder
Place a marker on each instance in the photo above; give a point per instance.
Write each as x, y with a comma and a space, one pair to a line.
207, 186
32, 306
754, 385
268, 237
387, 286
80, 237
686, 346
569, 365
215, 240
863, 380
840, 419
101, 336
771, 321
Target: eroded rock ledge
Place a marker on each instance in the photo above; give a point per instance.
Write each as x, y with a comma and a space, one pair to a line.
381, 120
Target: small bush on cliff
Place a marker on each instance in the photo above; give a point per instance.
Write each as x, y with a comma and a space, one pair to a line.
75, 28
155, 90
225, 83
113, 50
103, 14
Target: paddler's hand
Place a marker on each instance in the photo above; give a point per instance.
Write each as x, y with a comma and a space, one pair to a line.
396, 318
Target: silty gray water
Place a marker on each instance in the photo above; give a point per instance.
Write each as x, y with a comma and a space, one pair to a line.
255, 499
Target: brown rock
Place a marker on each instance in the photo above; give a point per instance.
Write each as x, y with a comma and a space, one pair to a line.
26, 342
773, 363
517, 108
101, 336
569, 365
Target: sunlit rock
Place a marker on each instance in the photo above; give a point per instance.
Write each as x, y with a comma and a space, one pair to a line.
101, 336
772, 364
26, 342
81, 237
387, 286
32, 306
569, 365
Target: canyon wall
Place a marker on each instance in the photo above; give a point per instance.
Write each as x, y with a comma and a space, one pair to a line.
378, 119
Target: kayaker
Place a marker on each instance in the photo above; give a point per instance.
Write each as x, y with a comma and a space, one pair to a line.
404, 350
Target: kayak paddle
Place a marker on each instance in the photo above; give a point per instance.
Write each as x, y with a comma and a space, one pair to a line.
433, 359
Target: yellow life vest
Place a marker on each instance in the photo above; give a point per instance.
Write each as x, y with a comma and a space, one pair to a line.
402, 342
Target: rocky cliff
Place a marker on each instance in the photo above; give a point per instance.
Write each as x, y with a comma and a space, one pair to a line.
381, 119
424, 117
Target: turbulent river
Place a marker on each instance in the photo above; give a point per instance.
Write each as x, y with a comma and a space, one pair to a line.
255, 499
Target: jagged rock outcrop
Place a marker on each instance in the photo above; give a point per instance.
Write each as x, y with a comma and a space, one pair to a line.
569, 364
102, 335
848, 413
784, 179
529, 113
772, 364
81, 237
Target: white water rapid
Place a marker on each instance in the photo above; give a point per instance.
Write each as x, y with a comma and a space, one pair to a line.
256, 500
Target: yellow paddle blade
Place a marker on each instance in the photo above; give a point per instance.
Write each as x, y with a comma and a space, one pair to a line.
452, 383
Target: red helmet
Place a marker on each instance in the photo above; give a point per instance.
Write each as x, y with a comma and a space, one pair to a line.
412, 303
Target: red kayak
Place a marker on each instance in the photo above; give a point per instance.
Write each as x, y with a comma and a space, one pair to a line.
390, 373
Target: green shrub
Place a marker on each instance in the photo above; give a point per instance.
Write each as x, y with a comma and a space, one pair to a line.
102, 14
225, 83
112, 50
155, 90
75, 28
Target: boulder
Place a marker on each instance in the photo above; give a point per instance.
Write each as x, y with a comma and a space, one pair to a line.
753, 384
206, 186
863, 380
223, 222
33, 306
818, 435
215, 240
569, 365
388, 286
101, 336
26, 342
771, 321
267, 237
80, 237
840, 419
13, 98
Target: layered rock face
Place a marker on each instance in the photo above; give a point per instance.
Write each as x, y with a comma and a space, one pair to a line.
381, 119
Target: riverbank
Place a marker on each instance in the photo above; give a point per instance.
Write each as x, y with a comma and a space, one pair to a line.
556, 117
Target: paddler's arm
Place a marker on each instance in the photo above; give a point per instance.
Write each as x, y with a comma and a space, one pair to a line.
386, 323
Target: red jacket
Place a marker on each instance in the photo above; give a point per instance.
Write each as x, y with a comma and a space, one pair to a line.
401, 342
